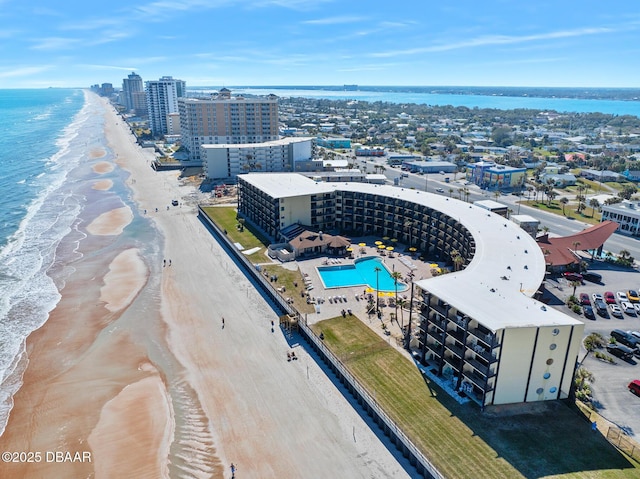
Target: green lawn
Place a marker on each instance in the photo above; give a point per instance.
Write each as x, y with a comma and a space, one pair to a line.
458, 439
225, 218
569, 211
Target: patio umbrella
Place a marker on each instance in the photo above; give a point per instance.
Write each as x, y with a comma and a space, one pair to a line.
386, 238
381, 293
394, 240
381, 246
378, 242
389, 248
433, 265
369, 290
413, 249
349, 249
362, 244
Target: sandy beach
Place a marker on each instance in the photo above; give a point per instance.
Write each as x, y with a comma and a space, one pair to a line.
135, 370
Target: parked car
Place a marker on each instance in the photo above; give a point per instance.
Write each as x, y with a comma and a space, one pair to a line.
632, 294
621, 351
625, 338
634, 387
635, 334
609, 298
615, 310
597, 296
588, 312
593, 277
174, 202
627, 308
621, 296
584, 299
569, 276
636, 306
439, 190
601, 308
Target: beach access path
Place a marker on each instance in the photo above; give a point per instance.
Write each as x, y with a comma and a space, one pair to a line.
169, 390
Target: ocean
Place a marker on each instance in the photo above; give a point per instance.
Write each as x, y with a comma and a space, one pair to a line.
43, 137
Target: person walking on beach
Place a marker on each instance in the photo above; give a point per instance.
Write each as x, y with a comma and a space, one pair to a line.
233, 470
164, 263
223, 322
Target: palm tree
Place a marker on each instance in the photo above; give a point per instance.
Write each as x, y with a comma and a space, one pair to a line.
496, 194
396, 275
594, 203
563, 201
592, 342
574, 285
450, 192
457, 259
377, 269
401, 303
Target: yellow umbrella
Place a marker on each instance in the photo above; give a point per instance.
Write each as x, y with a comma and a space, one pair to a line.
386, 238
413, 249
378, 242
394, 240
380, 293
369, 290
433, 265
389, 248
381, 246
362, 244
349, 249
390, 294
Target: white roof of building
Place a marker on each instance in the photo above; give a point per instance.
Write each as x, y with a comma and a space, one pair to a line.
281, 142
496, 286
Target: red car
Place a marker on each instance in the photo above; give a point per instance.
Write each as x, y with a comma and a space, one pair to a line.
569, 276
609, 297
584, 299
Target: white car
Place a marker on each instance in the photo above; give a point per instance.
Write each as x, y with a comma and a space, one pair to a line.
615, 310
635, 334
636, 306
621, 296
597, 296
439, 190
627, 308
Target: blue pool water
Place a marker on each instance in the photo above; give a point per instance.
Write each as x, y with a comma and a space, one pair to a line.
361, 273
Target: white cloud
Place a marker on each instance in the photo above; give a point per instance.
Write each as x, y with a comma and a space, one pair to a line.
496, 40
335, 20
55, 43
24, 71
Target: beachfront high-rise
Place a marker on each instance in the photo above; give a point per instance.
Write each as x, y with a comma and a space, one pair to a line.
225, 119
130, 86
162, 100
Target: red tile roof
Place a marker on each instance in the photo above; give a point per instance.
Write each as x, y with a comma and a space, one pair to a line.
558, 251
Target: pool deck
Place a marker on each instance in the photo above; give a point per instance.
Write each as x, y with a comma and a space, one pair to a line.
405, 263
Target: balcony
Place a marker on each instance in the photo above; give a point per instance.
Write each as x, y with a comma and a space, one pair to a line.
481, 368
455, 349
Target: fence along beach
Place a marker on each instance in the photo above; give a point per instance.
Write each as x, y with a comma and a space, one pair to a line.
133, 368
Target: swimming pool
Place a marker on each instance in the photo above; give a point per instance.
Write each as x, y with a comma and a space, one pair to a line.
360, 273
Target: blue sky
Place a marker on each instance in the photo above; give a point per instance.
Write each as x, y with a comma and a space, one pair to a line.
321, 42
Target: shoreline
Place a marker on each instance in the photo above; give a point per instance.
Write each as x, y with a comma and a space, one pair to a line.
130, 331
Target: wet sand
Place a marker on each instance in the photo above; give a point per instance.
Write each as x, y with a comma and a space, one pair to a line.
135, 368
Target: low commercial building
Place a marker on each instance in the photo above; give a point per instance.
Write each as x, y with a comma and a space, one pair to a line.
490, 175
625, 214
478, 327
527, 223
430, 166
493, 206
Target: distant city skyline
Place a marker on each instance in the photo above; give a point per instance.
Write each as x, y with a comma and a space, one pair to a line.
321, 42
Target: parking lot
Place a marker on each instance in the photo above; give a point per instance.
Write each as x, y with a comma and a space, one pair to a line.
610, 393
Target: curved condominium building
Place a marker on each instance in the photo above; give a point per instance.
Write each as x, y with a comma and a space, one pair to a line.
478, 327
